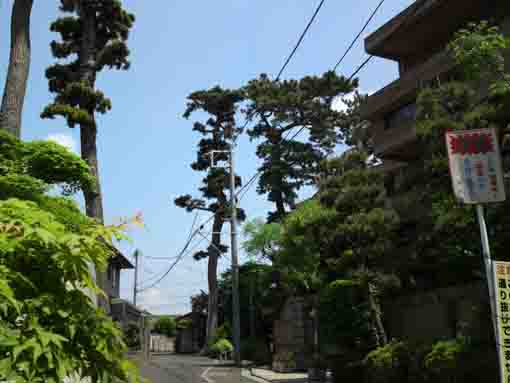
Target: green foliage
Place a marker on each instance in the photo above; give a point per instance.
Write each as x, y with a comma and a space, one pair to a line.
76, 98
49, 327
304, 234
440, 361
217, 131
184, 324
255, 281
166, 326
28, 170
444, 355
222, 332
132, 336
480, 49
278, 108
344, 318
221, 347
446, 231
262, 242
390, 363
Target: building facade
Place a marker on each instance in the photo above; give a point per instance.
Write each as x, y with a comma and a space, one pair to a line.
416, 40
116, 264
121, 311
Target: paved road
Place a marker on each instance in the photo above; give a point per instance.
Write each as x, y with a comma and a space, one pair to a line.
189, 369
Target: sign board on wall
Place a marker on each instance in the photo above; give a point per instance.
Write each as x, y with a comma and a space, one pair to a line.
475, 166
501, 274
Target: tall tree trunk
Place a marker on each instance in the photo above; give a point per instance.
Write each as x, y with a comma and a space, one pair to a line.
280, 205
88, 132
19, 67
277, 193
212, 277
93, 198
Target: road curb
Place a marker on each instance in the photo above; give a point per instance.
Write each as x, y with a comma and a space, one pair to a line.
248, 374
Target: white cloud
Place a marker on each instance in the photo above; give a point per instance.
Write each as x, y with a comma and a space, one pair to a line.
65, 140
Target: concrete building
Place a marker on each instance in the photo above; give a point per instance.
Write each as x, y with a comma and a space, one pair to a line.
415, 40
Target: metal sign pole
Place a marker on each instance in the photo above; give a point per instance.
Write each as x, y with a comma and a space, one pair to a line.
491, 282
477, 178
480, 211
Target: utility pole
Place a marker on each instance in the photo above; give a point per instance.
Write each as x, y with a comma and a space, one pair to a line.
233, 248
252, 306
135, 287
235, 261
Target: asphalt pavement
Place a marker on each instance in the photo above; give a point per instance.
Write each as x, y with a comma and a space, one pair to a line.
174, 368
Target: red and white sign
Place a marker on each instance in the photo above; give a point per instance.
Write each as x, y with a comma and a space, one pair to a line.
475, 166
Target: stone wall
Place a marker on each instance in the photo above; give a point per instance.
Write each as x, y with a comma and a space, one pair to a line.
291, 335
441, 313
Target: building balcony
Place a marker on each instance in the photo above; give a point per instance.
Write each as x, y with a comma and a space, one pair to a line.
426, 26
416, 39
405, 89
392, 109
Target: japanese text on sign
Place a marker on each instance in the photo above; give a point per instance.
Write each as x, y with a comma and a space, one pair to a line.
501, 272
475, 165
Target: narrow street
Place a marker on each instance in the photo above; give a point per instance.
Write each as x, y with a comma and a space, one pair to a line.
189, 369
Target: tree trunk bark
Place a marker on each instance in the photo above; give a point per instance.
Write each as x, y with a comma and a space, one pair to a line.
280, 205
19, 68
379, 331
212, 277
278, 194
93, 198
88, 132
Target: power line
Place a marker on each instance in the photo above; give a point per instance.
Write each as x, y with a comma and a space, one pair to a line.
242, 192
251, 182
286, 63
177, 260
301, 38
363, 64
160, 258
359, 35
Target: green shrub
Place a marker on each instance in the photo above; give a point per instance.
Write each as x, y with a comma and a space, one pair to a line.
166, 326
223, 332
221, 347
388, 363
183, 324
344, 317
461, 361
132, 335
443, 361
444, 356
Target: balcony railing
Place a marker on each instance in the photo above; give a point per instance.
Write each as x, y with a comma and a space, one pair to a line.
404, 89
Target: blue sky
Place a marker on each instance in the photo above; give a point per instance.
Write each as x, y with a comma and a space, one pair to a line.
145, 146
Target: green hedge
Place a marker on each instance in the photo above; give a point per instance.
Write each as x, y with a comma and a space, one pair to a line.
443, 361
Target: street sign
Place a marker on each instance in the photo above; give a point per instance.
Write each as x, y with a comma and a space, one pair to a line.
475, 166
477, 177
501, 277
